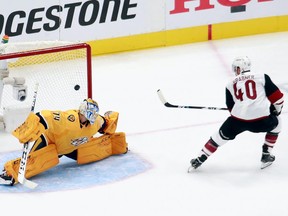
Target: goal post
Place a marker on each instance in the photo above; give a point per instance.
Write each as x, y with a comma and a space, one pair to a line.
62, 69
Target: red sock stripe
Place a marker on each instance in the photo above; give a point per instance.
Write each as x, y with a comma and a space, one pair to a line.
271, 138
210, 147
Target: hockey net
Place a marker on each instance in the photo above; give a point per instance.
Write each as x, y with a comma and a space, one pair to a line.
62, 69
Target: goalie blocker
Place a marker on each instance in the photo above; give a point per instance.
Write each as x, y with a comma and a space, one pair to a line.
45, 158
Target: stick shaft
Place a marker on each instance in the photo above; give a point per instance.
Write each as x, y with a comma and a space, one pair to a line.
167, 104
25, 152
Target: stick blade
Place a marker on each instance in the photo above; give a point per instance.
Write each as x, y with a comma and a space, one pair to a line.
29, 184
161, 97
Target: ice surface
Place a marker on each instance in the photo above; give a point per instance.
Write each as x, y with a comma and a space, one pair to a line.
229, 183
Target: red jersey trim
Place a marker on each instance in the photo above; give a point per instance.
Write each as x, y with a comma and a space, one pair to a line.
275, 96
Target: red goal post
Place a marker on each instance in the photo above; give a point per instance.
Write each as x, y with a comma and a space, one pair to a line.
62, 69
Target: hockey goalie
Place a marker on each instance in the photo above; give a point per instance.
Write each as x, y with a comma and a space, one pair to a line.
71, 133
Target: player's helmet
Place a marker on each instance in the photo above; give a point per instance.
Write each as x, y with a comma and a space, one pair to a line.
242, 62
89, 108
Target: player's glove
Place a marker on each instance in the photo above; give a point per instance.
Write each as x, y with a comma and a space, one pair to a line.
276, 109
30, 130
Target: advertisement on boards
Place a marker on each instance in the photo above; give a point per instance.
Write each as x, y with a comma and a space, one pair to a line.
187, 13
75, 20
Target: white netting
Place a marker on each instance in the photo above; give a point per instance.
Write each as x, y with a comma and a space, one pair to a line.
56, 72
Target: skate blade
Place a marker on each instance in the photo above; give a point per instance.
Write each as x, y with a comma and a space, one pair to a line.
264, 165
5, 182
190, 169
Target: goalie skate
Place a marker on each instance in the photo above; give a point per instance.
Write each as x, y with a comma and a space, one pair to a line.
6, 180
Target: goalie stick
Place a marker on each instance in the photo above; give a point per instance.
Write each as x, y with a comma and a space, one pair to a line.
167, 104
25, 153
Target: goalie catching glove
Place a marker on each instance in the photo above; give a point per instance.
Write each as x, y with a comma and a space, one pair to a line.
30, 130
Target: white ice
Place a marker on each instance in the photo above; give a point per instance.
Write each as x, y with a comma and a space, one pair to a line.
230, 183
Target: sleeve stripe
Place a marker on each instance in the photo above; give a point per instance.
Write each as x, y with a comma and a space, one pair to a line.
275, 96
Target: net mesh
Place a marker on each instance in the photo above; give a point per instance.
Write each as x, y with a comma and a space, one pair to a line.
58, 73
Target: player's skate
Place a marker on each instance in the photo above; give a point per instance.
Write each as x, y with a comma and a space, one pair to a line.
267, 159
5, 179
195, 163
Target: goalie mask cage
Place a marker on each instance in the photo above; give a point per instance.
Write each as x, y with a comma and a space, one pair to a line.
62, 69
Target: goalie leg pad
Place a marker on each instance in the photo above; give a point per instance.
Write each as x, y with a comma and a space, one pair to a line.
119, 144
96, 149
38, 162
102, 147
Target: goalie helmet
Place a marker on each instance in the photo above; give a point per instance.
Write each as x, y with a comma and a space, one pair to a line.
89, 108
243, 63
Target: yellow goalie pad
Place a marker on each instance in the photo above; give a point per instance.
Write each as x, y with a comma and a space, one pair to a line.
38, 162
102, 147
119, 144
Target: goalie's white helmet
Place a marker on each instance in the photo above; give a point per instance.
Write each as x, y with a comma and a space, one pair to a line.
89, 108
243, 63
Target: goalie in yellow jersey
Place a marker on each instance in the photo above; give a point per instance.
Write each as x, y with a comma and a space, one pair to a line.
70, 133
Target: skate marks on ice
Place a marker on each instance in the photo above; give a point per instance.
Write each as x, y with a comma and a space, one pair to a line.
67, 175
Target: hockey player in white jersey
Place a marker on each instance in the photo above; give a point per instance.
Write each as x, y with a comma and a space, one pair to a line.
254, 103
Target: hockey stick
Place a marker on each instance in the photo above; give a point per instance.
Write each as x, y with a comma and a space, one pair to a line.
167, 104
25, 153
